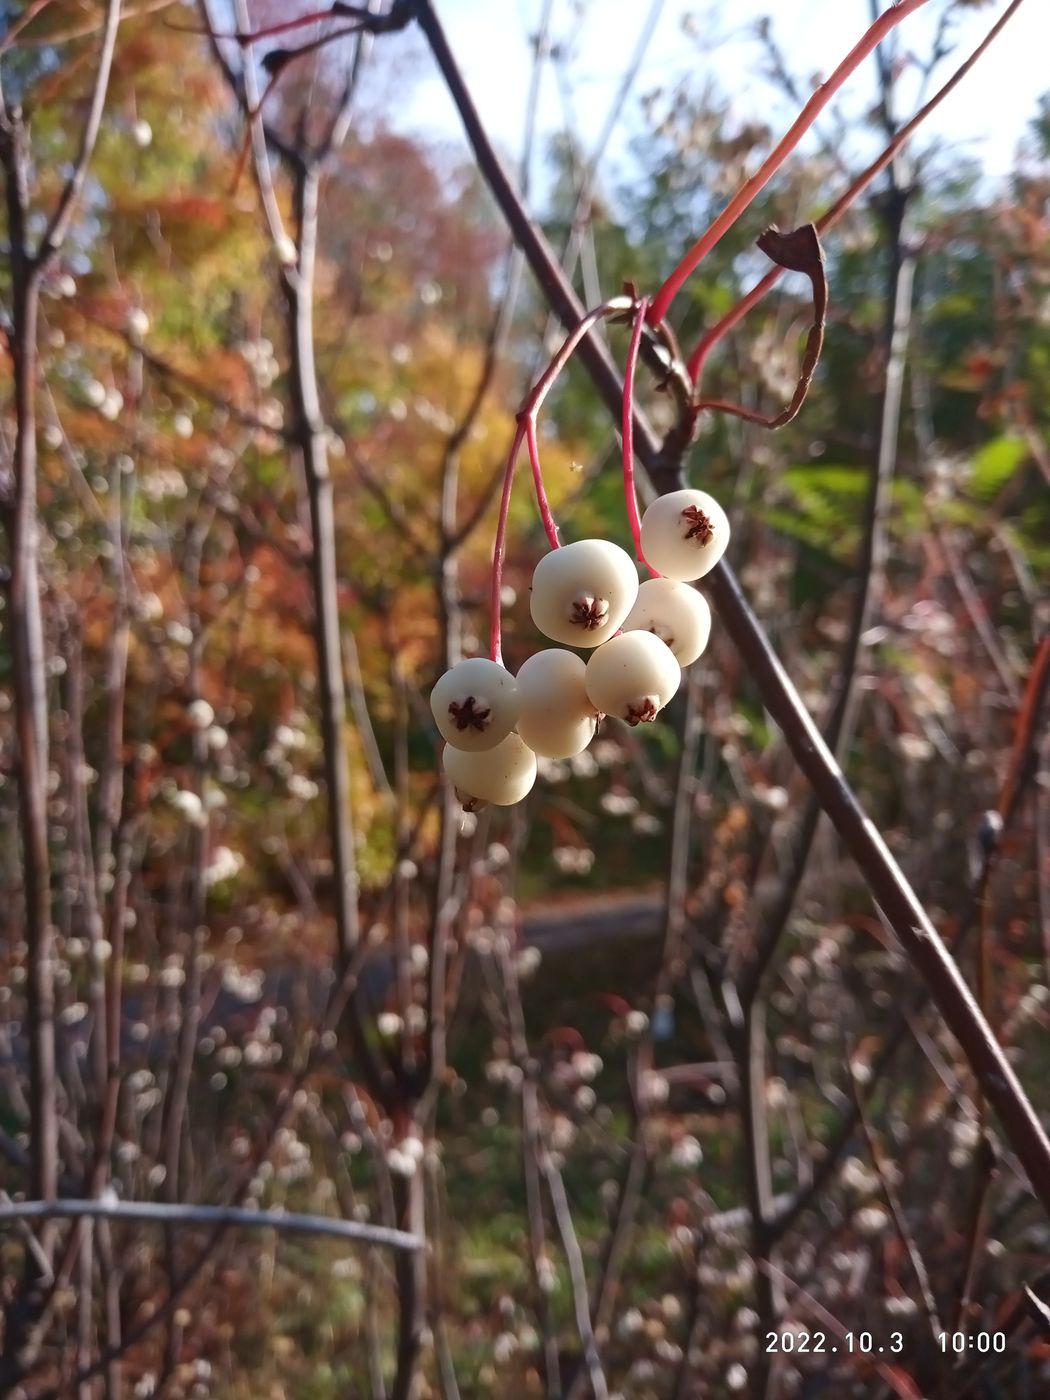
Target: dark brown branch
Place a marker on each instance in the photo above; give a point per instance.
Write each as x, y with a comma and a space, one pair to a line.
410, 1272
887, 883
870, 570
1024, 756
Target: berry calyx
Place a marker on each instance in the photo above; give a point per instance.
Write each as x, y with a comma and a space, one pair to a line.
589, 613
469, 715
475, 705
501, 775
633, 676
675, 613
698, 525
684, 534
582, 592
644, 711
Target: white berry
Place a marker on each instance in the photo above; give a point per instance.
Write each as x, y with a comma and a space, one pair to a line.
632, 677
502, 775
582, 592
684, 534
675, 613
475, 704
556, 718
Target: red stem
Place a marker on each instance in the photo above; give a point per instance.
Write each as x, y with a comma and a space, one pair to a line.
526, 431
272, 31
929, 957
630, 495
614, 307
752, 187
831, 217
537, 477
499, 550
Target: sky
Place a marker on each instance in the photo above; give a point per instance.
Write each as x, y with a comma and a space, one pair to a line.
983, 119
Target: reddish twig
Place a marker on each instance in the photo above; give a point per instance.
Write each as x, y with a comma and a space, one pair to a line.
769, 167
885, 879
627, 421
1023, 750
526, 432
549, 527
832, 216
499, 550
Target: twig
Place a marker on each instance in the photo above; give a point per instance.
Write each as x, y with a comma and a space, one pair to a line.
172, 1213
885, 879
752, 187
846, 200
898, 1380
975, 609
839, 724
525, 432
627, 432
62, 217
577, 1275
907, 1239
799, 251
758, 1171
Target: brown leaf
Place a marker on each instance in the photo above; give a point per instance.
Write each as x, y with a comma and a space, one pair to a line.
797, 251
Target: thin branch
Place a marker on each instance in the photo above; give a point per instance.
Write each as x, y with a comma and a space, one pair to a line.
58, 225
577, 1276
753, 187
226, 1217
976, 611
51, 38
1023, 759
758, 1174
898, 1380
871, 577
885, 879
907, 1239
845, 201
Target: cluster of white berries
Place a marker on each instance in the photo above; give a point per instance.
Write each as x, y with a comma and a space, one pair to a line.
585, 595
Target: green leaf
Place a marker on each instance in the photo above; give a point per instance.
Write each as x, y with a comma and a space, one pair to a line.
995, 464
823, 509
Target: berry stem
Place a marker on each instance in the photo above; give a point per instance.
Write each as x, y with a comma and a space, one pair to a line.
526, 432
769, 167
630, 494
537, 477
499, 550
615, 306
834, 213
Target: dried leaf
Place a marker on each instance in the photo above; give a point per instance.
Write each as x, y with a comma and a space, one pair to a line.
797, 251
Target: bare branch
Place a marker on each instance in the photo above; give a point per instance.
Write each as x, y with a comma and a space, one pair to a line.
172, 1213
752, 187
58, 225
885, 879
